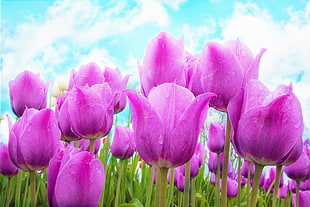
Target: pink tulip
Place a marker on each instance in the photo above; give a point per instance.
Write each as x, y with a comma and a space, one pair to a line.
27, 90
7, 168
216, 137
123, 145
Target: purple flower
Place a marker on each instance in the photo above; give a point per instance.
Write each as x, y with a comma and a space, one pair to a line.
88, 75
193, 74
299, 170
244, 169
167, 124
232, 188
7, 168
27, 90
85, 145
263, 120
74, 178
304, 199
163, 63
88, 111
212, 163
283, 191
179, 180
216, 137
114, 78
270, 179
34, 139
123, 145
305, 185
225, 68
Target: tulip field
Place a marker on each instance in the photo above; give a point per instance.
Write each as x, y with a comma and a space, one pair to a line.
199, 130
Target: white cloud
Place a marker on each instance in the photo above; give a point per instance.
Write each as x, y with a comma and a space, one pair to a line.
287, 43
68, 26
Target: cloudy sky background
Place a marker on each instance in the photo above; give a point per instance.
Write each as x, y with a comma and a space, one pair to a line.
53, 37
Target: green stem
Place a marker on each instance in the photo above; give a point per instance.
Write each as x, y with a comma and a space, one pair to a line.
150, 189
161, 187
119, 179
225, 167
18, 187
297, 192
218, 180
8, 190
77, 144
248, 184
187, 184
92, 145
193, 201
33, 188
257, 175
171, 188
180, 198
276, 186
106, 151
239, 181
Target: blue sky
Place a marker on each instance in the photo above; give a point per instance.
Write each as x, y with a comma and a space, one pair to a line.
53, 37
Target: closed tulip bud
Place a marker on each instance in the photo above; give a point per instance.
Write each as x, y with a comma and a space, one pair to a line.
216, 137
74, 178
281, 124
90, 110
167, 124
88, 75
224, 70
304, 199
232, 188
245, 167
283, 191
114, 78
163, 63
213, 178
34, 139
123, 145
299, 170
7, 168
180, 180
27, 90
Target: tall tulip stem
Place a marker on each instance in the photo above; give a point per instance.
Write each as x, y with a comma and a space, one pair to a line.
297, 192
276, 186
248, 184
8, 191
161, 187
218, 180
225, 166
119, 179
187, 184
239, 181
32, 175
257, 175
92, 145
171, 187
18, 187
150, 189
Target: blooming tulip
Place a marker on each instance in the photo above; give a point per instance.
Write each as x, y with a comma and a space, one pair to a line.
74, 178
89, 74
216, 137
27, 90
167, 124
163, 63
304, 199
114, 78
89, 111
225, 68
123, 145
34, 139
262, 121
7, 168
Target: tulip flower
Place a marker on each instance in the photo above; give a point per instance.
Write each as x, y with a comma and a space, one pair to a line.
89, 74
163, 63
179, 180
27, 90
270, 180
74, 178
232, 188
34, 139
114, 78
216, 137
283, 191
245, 168
299, 170
263, 120
7, 168
89, 111
159, 124
225, 68
305, 185
304, 199
84, 144
123, 145
193, 74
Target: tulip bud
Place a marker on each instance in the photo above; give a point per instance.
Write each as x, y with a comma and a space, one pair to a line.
7, 168
123, 145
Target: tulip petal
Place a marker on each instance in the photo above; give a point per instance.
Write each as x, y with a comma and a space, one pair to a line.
252, 72
266, 126
147, 128
188, 126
